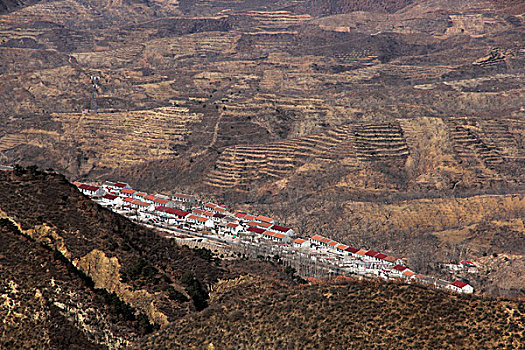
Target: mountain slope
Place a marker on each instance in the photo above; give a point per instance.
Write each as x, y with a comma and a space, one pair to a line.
119, 256
347, 314
46, 304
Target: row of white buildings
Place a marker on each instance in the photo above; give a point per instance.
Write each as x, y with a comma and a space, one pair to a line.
181, 210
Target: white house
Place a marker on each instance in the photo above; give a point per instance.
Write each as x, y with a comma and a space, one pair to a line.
111, 199
398, 270
460, 287
230, 229
301, 243
200, 222
127, 192
283, 229
90, 190
184, 198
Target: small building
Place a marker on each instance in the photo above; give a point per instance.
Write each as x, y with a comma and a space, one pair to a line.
162, 202
256, 230
89, 190
301, 243
199, 221
332, 244
381, 257
127, 201
282, 229
371, 255
398, 270
232, 228
219, 210
122, 185
197, 211
352, 251
249, 217
408, 274
316, 239
341, 248
265, 225
262, 218
112, 199
460, 287
276, 236
218, 217
184, 198
139, 195
127, 192
145, 206
149, 198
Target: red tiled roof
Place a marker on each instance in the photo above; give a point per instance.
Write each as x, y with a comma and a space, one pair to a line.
391, 259
333, 243
88, 187
409, 273
161, 201
361, 252
458, 284
317, 238
352, 250
197, 211
145, 204
466, 262
128, 200
342, 247
399, 268
210, 205
120, 184
77, 183
149, 197
280, 228
256, 229
219, 209
381, 256
198, 218
127, 190
299, 241
110, 196
208, 213
140, 194
173, 211
371, 253
137, 202
324, 240
249, 217
268, 233
279, 235
232, 225
264, 218
240, 215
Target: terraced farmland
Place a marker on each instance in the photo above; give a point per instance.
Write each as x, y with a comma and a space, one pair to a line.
350, 145
127, 138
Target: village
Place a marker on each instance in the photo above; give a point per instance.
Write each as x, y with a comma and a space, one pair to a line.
204, 224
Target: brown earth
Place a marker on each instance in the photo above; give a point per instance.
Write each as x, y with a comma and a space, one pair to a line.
334, 116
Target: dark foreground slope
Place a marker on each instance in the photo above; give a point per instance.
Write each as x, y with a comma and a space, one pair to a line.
140, 267
75, 275
46, 304
346, 315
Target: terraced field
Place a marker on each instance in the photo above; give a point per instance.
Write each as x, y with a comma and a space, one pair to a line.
350, 145
127, 138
